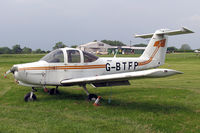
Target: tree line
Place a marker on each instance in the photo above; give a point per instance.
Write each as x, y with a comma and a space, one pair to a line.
16, 49
183, 48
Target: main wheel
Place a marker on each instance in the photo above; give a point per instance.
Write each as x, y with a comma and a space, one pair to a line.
28, 97
92, 97
53, 91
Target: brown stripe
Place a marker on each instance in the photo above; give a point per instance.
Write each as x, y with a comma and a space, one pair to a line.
63, 67
157, 44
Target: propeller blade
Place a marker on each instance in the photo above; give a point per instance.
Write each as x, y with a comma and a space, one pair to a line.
6, 73
12, 70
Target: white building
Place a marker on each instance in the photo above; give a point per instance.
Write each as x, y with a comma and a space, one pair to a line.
95, 47
103, 48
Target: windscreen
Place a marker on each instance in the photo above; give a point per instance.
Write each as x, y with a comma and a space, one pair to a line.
55, 56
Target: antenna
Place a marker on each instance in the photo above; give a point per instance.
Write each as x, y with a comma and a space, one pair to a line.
116, 53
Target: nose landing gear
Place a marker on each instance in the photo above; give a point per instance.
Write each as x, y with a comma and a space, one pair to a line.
30, 96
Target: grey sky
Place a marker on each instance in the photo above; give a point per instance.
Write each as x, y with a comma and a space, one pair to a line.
42, 23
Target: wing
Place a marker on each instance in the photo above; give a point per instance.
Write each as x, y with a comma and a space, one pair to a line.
152, 73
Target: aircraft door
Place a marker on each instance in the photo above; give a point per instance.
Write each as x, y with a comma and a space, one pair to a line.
74, 64
55, 69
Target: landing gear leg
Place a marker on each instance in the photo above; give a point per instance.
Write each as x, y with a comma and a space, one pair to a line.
90, 96
30, 96
56, 90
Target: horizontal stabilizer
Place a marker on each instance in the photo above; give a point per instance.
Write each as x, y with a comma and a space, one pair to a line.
152, 73
183, 30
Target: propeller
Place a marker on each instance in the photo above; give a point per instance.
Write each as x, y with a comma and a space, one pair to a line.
6, 73
12, 70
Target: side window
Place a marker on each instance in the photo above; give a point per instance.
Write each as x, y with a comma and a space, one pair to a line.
89, 57
73, 56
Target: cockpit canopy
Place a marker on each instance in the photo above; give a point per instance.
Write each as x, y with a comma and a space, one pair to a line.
72, 55
55, 56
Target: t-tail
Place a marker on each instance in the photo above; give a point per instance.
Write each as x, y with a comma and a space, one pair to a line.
154, 54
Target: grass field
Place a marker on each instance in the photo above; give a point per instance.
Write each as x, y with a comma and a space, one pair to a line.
169, 104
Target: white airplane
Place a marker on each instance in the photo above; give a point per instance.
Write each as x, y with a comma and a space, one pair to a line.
69, 66
197, 51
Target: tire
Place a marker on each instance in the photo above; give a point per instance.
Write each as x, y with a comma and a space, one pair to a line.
57, 91
51, 91
92, 97
27, 97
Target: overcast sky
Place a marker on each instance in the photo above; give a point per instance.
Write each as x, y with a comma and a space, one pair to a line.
42, 23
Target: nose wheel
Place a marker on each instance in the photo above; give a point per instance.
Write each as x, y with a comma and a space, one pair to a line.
30, 96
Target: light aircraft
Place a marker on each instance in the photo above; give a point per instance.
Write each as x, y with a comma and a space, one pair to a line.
197, 51
69, 66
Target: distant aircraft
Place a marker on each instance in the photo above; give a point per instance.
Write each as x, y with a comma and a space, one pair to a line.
197, 51
69, 66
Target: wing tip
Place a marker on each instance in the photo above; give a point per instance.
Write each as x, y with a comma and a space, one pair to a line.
187, 29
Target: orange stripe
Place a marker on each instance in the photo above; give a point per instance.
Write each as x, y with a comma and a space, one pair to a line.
63, 67
83, 66
157, 44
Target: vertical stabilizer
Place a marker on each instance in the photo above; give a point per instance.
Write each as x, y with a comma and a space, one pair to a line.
155, 51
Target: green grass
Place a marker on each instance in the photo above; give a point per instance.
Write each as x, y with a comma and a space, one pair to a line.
169, 104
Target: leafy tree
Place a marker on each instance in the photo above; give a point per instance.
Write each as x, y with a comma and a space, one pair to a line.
39, 51
16, 49
172, 49
140, 45
73, 46
5, 50
26, 50
113, 43
59, 45
185, 47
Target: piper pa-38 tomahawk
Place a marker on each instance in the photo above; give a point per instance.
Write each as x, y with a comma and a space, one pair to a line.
69, 66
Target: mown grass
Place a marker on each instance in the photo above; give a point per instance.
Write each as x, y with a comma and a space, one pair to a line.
169, 104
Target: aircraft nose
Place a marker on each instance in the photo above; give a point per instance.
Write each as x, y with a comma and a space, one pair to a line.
12, 70
15, 72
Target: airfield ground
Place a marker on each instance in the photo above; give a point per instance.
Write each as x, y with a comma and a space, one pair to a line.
169, 104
